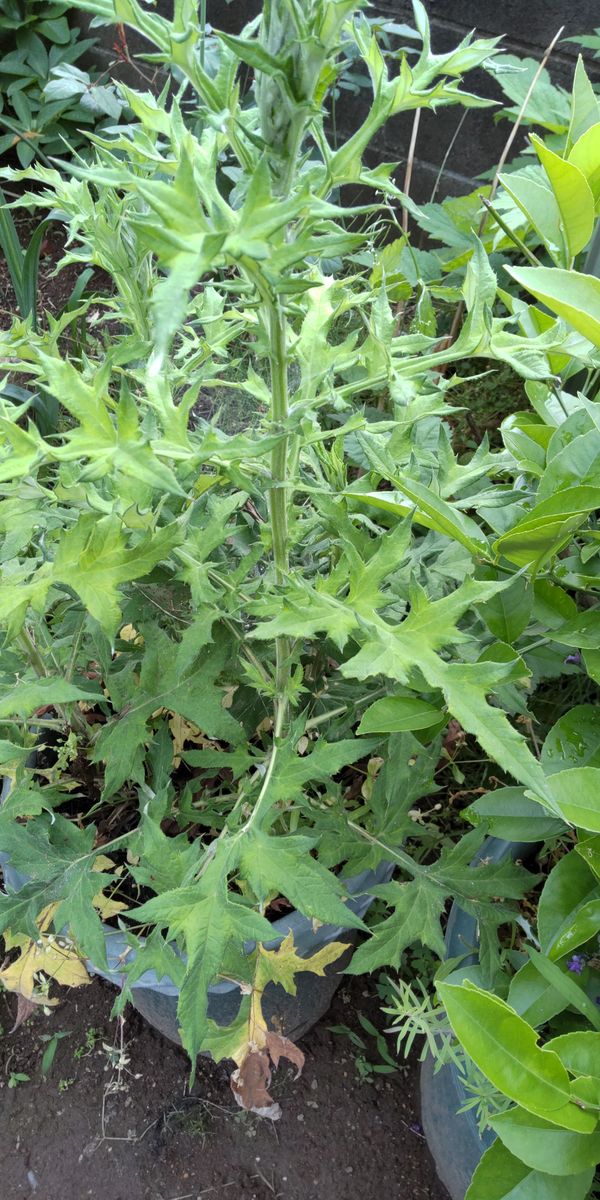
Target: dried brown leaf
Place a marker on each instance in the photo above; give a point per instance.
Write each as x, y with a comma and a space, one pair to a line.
250, 1085
281, 1047
25, 1008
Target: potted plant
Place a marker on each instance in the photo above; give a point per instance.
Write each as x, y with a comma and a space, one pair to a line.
182, 606
208, 630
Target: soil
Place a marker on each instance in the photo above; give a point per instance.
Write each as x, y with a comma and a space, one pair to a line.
54, 291
93, 1130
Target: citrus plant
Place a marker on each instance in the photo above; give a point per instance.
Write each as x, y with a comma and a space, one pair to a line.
525, 1016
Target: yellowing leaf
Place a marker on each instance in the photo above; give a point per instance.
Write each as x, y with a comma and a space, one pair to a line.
107, 907
258, 1047
130, 634
183, 731
283, 964
48, 958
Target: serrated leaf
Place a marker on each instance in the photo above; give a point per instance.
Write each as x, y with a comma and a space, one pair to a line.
283, 964
418, 907
284, 866
209, 921
42, 956
22, 699
58, 858
176, 682
94, 558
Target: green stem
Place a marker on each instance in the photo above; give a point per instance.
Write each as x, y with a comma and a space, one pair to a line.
279, 495
510, 233
398, 856
35, 660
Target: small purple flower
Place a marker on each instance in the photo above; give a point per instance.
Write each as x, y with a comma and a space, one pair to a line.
575, 659
576, 964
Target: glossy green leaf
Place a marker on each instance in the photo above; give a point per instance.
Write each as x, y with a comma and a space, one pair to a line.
583, 632
585, 111
576, 795
585, 154
574, 741
396, 714
509, 814
569, 887
573, 196
533, 997
580, 1052
577, 929
569, 294
548, 527
429, 510
533, 195
501, 1176
506, 1050
542, 1146
589, 849
563, 983
508, 613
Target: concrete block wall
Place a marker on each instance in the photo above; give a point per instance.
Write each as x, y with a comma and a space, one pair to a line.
527, 27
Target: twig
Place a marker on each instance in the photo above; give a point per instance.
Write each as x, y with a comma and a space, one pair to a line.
460, 308
205, 1191
409, 165
513, 133
451, 145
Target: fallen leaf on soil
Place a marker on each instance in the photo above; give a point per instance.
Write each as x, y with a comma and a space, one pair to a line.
24, 1010
281, 1047
250, 1083
250, 1086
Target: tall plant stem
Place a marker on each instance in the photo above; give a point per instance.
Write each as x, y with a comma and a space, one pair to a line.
279, 494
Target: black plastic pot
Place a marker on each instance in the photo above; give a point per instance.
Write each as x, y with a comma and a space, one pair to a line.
453, 1137
156, 999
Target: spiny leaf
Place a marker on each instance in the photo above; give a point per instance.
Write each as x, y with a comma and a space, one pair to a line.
418, 907
284, 866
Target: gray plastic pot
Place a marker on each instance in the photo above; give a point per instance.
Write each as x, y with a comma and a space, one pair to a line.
156, 999
453, 1137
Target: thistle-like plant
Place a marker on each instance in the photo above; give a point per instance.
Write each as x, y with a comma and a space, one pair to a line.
240, 601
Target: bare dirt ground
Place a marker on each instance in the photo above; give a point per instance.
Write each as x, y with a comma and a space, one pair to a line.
101, 1128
